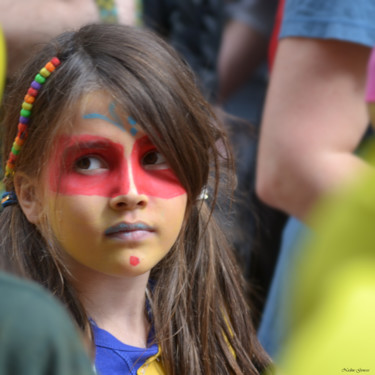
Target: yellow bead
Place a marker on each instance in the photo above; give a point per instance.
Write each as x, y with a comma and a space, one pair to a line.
27, 106
44, 72
16, 147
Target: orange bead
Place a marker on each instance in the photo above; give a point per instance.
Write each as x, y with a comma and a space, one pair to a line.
18, 141
29, 99
50, 67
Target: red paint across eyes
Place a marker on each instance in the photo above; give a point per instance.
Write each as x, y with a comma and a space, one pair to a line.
114, 179
162, 183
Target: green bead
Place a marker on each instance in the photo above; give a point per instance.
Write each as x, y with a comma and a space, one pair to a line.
15, 151
25, 113
40, 79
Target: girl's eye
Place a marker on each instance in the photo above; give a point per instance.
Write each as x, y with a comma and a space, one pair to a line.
154, 160
90, 164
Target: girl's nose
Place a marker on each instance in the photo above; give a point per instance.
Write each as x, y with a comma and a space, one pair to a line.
130, 201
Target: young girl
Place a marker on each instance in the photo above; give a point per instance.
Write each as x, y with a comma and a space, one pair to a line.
106, 176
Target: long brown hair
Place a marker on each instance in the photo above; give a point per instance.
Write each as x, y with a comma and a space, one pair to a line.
199, 310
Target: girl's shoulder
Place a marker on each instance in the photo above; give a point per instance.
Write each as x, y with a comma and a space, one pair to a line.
115, 357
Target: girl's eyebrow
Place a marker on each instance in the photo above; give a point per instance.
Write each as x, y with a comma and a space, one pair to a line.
88, 144
146, 141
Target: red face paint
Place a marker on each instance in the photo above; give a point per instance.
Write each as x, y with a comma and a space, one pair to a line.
114, 179
134, 261
162, 183
65, 179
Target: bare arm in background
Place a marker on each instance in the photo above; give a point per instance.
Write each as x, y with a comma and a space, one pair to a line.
243, 48
29, 23
314, 118
244, 43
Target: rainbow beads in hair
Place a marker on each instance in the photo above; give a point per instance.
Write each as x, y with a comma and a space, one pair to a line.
25, 113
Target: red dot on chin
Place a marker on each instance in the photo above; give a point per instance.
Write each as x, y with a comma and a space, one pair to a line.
134, 261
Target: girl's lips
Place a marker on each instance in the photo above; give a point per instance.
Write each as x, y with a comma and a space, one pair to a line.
128, 229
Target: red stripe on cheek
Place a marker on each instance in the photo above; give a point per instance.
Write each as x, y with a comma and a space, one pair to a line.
64, 178
161, 183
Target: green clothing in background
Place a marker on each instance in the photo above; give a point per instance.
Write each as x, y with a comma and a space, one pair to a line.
37, 336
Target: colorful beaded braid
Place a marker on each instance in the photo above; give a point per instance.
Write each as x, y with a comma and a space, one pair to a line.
27, 106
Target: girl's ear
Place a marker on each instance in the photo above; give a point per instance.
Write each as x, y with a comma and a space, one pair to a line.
29, 197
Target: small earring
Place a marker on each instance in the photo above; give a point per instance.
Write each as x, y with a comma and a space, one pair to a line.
203, 195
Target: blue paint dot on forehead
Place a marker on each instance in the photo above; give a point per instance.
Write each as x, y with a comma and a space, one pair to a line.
133, 131
132, 122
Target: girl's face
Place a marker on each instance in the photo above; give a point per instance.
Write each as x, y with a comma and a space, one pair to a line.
114, 204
